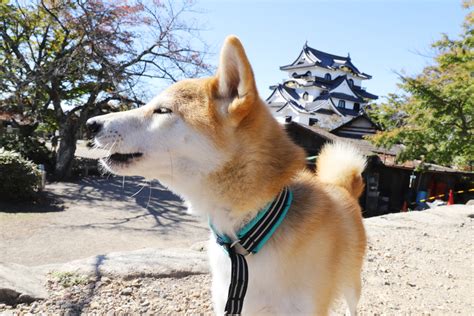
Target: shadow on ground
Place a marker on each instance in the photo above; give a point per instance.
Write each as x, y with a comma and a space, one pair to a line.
145, 199
45, 202
100, 215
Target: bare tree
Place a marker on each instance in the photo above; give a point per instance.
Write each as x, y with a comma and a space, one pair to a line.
62, 61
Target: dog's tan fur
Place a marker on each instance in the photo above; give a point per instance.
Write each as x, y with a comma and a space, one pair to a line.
324, 225
318, 250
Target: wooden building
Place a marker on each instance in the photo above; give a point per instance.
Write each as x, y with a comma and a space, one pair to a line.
389, 184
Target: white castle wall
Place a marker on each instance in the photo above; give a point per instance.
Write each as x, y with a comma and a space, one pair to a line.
321, 72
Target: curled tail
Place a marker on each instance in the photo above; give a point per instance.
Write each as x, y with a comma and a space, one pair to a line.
341, 164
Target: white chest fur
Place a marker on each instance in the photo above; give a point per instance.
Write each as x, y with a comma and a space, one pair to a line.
269, 290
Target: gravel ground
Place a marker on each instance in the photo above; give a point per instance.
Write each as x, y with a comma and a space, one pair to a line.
417, 263
149, 296
420, 263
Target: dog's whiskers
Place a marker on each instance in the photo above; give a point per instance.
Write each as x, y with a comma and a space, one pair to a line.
109, 147
140, 190
149, 195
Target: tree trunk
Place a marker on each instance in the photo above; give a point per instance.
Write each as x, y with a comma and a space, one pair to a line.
67, 148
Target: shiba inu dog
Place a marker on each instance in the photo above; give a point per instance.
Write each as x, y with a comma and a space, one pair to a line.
214, 142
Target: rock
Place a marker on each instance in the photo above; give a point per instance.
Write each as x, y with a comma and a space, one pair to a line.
20, 284
133, 264
126, 291
26, 298
137, 283
200, 246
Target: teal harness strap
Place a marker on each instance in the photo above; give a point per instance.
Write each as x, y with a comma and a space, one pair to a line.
252, 237
278, 211
274, 227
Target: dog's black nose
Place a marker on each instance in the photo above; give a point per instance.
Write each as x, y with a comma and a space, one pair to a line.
93, 127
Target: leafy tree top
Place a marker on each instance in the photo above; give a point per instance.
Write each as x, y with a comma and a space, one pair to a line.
433, 117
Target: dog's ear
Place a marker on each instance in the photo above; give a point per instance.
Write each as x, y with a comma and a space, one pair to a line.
235, 79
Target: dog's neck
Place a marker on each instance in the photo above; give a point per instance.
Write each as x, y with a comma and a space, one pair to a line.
203, 200
235, 191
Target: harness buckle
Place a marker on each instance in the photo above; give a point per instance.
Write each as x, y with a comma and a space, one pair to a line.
239, 248
234, 243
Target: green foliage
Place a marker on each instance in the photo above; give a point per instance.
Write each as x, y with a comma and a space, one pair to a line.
68, 279
20, 177
30, 147
433, 117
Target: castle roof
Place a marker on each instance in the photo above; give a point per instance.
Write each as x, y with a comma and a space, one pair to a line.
310, 57
330, 85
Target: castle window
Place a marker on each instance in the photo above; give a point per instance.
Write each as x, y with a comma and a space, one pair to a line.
341, 104
312, 121
327, 76
357, 107
351, 82
305, 96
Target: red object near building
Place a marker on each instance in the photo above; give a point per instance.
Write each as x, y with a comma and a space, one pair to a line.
405, 207
451, 198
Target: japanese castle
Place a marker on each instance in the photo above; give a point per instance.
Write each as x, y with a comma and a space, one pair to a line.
323, 90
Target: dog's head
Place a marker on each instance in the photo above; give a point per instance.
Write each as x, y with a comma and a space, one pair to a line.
196, 129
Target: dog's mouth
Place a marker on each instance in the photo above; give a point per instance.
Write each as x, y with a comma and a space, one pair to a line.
119, 158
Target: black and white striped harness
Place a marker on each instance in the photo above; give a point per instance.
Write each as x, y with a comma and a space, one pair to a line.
251, 239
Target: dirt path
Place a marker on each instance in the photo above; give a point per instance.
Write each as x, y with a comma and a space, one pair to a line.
97, 216
418, 263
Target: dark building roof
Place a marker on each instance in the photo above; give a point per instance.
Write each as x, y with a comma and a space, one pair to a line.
344, 96
326, 60
364, 94
290, 96
331, 84
348, 111
291, 92
363, 145
322, 97
351, 130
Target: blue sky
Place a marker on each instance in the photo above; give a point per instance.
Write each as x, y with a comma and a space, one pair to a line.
381, 36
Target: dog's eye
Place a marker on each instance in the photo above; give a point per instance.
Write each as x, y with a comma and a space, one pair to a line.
162, 111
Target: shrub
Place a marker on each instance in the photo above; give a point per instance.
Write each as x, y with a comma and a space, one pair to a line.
31, 147
20, 178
